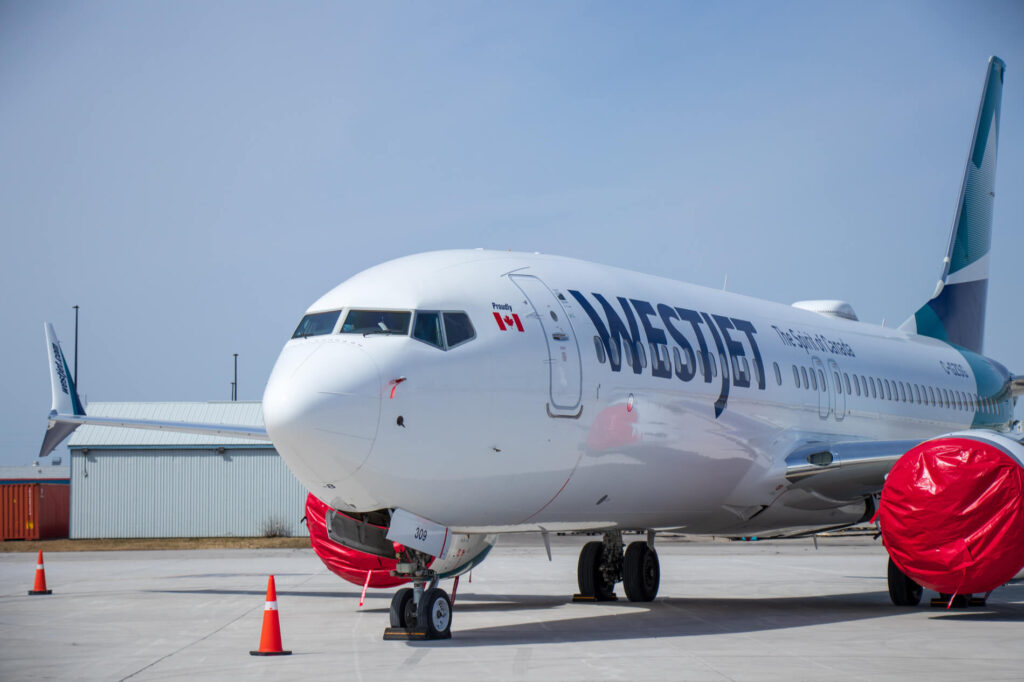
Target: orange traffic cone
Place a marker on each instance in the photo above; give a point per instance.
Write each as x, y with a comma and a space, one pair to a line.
270, 636
40, 585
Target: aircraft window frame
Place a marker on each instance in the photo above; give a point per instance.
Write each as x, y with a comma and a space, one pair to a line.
628, 357
856, 385
814, 380
641, 353
931, 396
803, 374
838, 382
742, 363
821, 381
796, 376
846, 380
448, 345
917, 394
615, 356
714, 365
414, 330
778, 373
903, 392
864, 385
366, 331
888, 390
691, 360
874, 392
599, 349
317, 331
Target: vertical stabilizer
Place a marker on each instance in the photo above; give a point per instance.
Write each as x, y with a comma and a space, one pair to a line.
64, 400
956, 311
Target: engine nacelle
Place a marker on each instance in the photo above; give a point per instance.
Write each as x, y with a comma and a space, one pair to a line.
952, 512
465, 552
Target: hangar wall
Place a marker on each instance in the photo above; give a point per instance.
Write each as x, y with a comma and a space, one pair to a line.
129, 483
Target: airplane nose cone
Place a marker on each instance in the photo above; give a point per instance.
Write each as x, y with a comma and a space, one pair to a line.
321, 409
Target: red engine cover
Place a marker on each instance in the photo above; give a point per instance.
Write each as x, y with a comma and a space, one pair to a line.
952, 515
350, 564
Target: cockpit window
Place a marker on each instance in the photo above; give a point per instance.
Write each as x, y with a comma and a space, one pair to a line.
316, 324
457, 328
428, 329
376, 322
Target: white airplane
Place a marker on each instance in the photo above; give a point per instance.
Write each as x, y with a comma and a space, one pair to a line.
440, 399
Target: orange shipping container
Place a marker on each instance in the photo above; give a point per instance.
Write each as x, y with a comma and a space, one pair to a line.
34, 511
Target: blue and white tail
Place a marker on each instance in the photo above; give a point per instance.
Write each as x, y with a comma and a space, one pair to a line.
956, 311
65, 400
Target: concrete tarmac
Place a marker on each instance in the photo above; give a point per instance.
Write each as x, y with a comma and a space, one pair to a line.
726, 611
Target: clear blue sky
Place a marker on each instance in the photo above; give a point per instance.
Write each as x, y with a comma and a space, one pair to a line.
195, 174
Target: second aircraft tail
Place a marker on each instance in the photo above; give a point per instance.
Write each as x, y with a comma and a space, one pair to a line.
956, 311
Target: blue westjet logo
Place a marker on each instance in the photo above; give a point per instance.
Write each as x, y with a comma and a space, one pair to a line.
59, 364
686, 327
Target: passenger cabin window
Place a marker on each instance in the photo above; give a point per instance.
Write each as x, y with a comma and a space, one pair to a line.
599, 349
457, 329
814, 381
428, 329
803, 375
316, 324
376, 322
796, 376
778, 373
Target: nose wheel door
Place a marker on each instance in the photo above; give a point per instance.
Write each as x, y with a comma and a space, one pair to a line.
565, 370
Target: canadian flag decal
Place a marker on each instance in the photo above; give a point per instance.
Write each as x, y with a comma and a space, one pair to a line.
509, 321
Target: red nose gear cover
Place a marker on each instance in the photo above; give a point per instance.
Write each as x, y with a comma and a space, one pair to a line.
350, 564
952, 516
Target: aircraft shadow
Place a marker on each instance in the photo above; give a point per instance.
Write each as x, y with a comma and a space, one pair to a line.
263, 592
671, 617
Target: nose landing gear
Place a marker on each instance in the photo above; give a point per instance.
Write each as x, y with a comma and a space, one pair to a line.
602, 564
422, 611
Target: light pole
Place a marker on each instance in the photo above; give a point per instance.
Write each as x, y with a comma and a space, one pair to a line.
234, 384
76, 344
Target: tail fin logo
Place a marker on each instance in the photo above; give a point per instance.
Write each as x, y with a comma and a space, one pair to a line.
58, 362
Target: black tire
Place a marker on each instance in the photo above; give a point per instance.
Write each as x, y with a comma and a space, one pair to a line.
902, 590
435, 614
641, 572
401, 605
591, 580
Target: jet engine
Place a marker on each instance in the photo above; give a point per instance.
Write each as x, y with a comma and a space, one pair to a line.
356, 566
952, 513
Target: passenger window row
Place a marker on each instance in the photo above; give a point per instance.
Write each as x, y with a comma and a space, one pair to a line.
687, 364
894, 390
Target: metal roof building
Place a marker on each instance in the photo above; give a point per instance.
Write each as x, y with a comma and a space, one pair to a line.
133, 483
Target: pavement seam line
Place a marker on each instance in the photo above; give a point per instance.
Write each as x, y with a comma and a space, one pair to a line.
193, 643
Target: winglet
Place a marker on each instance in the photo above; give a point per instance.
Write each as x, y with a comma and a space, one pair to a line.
65, 399
956, 311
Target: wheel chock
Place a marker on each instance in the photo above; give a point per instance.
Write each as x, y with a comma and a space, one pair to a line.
589, 598
408, 635
960, 601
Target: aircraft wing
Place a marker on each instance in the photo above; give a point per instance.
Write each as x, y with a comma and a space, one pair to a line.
844, 471
67, 412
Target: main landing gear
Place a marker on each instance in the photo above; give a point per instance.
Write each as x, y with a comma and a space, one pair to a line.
422, 611
903, 591
602, 564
